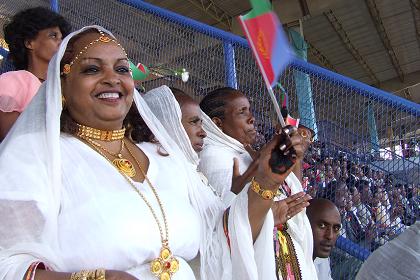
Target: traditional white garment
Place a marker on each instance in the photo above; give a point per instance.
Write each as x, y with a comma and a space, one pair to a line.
397, 259
113, 217
216, 162
63, 204
300, 231
323, 269
248, 259
216, 159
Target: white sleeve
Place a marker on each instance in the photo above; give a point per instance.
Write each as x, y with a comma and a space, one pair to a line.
217, 165
28, 212
250, 260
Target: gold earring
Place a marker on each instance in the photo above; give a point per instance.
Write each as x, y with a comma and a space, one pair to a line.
63, 101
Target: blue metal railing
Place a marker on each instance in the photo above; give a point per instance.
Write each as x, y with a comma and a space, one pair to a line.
363, 89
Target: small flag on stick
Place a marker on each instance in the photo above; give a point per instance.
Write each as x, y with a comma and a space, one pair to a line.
269, 45
267, 40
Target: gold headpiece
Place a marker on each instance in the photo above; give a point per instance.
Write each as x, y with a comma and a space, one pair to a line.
103, 38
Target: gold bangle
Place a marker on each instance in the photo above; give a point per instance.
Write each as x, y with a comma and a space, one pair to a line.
98, 274
265, 194
80, 275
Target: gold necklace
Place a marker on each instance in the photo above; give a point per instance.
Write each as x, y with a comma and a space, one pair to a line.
122, 164
165, 265
97, 134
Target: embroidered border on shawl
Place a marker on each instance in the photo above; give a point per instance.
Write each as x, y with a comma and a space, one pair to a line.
226, 226
287, 263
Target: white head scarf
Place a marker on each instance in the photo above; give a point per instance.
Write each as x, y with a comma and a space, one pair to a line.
30, 181
249, 262
215, 136
165, 107
217, 163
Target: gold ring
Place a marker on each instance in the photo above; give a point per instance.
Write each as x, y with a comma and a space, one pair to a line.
304, 134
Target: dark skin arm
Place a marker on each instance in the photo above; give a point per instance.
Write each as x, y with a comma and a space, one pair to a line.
240, 180
7, 119
257, 206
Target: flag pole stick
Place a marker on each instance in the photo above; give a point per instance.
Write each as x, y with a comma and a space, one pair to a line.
267, 83
276, 106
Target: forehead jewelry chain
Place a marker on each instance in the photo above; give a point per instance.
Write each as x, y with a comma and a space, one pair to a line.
103, 38
165, 265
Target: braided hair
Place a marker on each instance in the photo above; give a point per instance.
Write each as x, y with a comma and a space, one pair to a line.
214, 103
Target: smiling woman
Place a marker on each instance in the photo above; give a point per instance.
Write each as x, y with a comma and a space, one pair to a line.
86, 194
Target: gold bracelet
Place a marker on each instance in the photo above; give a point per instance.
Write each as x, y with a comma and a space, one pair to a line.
98, 274
265, 194
80, 275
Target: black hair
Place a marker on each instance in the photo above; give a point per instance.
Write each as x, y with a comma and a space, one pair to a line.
330, 191
25, 25
176, 91
213, 104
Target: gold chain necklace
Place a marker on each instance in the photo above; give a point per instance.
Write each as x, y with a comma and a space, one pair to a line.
119, 162
164, 266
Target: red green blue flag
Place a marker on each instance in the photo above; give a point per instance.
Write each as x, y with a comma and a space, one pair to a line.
267, 40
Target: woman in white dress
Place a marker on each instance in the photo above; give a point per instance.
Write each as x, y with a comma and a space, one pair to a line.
229, 132
92, 186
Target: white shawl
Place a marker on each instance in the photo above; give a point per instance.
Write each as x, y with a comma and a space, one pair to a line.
216, 163
31, 186
300, 231
248, 262
216, 159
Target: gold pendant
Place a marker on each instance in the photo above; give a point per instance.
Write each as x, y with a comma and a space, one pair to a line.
125, 166
165, 265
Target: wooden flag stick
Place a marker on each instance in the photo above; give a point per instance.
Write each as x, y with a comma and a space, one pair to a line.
276, 105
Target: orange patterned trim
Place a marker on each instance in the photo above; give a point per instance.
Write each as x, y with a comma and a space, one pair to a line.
287, 263
226, 225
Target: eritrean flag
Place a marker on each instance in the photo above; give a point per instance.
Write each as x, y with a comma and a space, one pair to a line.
267, 40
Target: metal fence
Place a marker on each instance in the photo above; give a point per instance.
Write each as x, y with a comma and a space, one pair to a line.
366, 157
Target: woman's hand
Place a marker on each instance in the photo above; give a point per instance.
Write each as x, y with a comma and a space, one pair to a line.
253, 153
118, 275
287, 208
240, 180
288, 142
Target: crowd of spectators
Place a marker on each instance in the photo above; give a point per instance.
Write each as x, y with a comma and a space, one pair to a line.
374, 207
